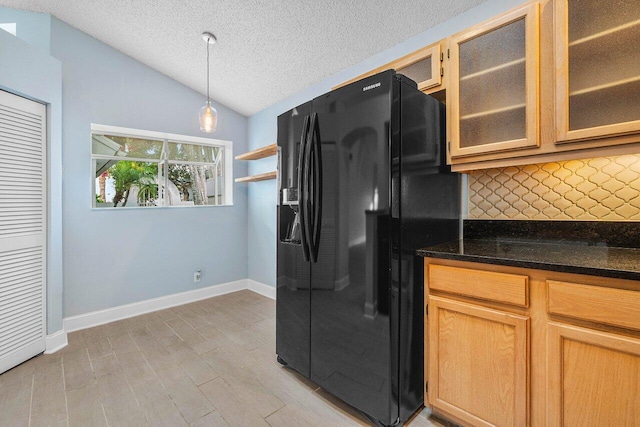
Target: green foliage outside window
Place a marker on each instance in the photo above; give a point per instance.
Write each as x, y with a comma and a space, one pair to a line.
127, 174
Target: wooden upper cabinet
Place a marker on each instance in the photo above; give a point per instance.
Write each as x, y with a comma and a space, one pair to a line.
597, 68
494, 84
424, 66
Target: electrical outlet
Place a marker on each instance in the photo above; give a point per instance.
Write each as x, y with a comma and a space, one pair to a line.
197, 275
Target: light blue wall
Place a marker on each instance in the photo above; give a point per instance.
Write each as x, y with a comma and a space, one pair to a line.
118, 257
263, 128
30, 72
34, 28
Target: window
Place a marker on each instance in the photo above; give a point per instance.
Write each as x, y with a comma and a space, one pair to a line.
136, 168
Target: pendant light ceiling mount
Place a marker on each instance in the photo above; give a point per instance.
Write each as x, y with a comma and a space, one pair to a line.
208, 114
209, 37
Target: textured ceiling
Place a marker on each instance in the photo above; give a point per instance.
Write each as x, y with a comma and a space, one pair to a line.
266, 50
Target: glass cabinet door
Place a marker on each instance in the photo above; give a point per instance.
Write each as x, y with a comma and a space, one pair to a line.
424, 66
494, 85
598, 65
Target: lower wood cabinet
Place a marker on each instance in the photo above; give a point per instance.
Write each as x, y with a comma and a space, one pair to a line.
479, 372
509, 346
593, 378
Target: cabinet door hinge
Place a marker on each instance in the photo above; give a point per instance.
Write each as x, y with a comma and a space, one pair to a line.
441, 71
441, 56
426, 309
426, 386
449, 146
448, 53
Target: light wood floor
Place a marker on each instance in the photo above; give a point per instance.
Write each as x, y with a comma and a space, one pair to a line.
209, 363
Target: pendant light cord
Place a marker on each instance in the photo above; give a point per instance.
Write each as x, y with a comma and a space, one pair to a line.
208, 99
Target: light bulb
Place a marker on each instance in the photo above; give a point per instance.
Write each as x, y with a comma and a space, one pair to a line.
208, 118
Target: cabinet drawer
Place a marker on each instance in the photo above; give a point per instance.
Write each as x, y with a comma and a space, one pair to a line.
617, 307
488, 285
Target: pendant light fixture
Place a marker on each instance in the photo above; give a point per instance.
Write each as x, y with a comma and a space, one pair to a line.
208, 114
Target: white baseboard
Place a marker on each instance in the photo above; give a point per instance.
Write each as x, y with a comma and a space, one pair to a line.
96, 318
56, 341
261, 288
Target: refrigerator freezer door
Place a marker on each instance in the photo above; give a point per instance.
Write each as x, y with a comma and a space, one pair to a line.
351, 353
293, 272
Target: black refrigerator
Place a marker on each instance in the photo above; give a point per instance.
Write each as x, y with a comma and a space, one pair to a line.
362, 184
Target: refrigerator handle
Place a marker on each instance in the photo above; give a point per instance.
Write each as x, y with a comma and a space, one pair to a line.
307, 220
302, 183
317, 186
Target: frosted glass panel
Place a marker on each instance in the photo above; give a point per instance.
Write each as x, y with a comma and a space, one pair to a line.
419, 71
507, 125
604, 62
497, 47
493, 86
498, 89
617, 104
588, 17
600, 61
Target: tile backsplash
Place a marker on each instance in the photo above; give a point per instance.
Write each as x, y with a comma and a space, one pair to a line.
604, 188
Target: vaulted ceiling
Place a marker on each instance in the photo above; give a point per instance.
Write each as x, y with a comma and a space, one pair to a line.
266, 50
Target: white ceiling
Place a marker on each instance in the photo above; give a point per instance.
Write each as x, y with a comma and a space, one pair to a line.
266, 50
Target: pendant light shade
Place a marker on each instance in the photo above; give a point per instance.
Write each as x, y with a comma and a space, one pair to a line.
208, 114
208, 118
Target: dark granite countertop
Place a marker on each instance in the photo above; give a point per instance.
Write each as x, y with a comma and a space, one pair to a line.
567, 255
620, 263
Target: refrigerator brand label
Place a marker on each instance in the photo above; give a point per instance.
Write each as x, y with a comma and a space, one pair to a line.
373, 86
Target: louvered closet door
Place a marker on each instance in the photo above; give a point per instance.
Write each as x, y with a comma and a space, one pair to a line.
22, 229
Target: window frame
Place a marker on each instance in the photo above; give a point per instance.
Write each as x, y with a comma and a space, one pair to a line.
227, 146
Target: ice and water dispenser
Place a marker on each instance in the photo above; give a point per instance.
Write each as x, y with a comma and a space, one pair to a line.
289, 216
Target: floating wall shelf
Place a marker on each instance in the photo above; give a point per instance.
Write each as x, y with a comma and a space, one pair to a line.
259, 153
259, 177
